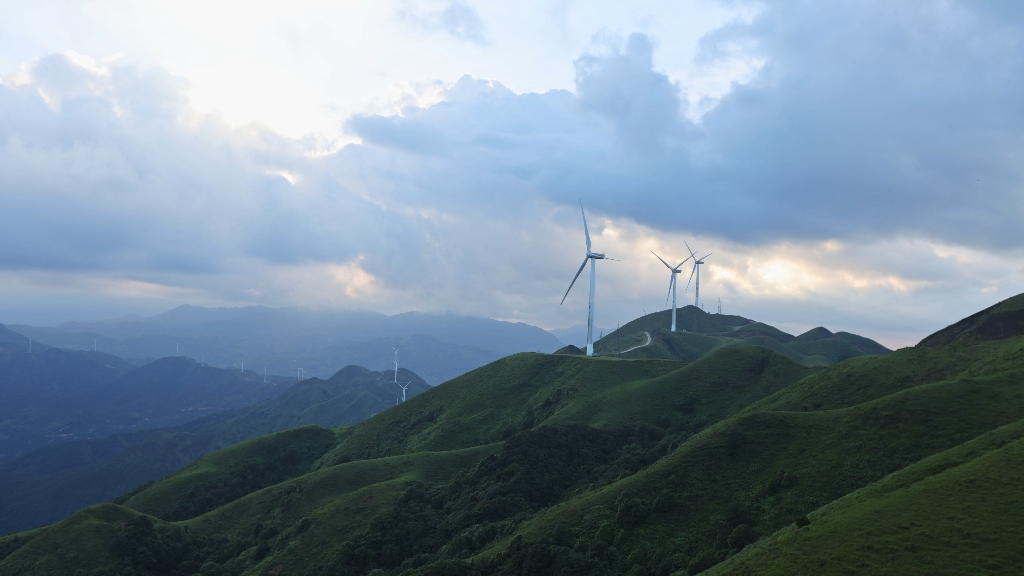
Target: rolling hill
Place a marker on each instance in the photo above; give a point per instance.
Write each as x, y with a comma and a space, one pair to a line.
742, 460
700, 333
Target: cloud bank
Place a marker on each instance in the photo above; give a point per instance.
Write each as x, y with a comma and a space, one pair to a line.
868, 139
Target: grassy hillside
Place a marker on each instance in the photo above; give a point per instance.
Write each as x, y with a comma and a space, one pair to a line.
742, 461
233, 472
816, 347
1003, 320
896, 527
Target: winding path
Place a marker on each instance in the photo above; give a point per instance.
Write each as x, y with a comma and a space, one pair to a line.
648, 343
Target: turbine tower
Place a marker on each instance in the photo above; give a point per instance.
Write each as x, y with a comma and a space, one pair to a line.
592, 257
696, 268
672, 285
396, 367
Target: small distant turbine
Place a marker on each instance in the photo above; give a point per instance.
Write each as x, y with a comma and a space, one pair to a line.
396, 366
592, 258
696, 268
264, 373
243, 364
672, 285
404, 386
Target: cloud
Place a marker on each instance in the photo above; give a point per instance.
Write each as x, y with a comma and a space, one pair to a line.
871, 152
457, 18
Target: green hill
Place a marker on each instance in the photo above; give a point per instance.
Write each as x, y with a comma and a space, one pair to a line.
740, 461
1003, 320
816, 347
896, 527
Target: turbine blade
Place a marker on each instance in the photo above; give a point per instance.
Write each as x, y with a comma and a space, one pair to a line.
670, 283
585, 229
694, 269
681, 263
578, 272
662, 261
692, 255
705, 256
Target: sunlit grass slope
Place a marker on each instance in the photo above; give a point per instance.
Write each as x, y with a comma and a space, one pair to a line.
958, 512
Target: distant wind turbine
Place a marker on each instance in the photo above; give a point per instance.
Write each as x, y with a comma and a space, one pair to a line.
696, 268
592, 257
396, 365
672, 285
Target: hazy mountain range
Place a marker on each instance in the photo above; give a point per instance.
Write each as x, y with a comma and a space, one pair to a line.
283, 340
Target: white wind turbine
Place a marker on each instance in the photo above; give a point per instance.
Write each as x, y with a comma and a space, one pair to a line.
396, 363
401, 385
672, 285
592, 257
696, 268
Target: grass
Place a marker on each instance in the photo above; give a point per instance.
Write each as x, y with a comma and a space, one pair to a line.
304, 444
958, 512
82, 539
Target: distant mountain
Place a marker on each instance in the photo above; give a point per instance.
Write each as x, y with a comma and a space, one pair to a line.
699, 333
53, 395
577, 334
51, 482
439, 347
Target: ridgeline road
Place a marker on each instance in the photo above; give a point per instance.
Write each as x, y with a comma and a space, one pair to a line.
648, 343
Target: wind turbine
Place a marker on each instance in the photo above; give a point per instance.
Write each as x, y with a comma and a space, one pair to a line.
592, 257
696, 268
672, 285
396, 365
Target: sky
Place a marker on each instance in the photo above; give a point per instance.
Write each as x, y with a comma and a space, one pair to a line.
851, 164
